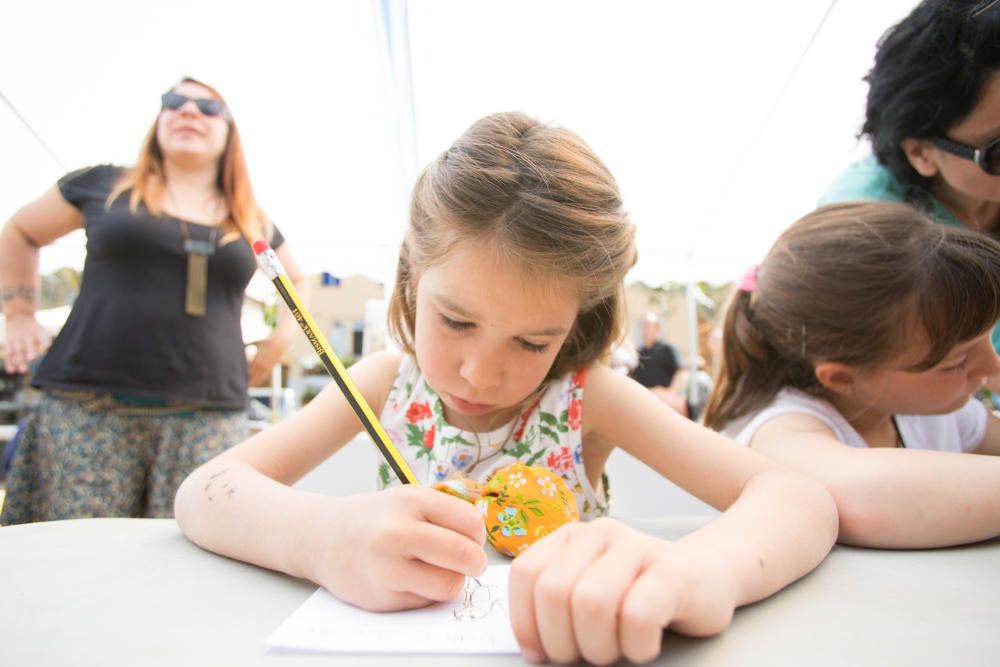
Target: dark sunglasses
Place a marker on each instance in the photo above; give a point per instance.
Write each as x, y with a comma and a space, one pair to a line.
988, 157
206, 105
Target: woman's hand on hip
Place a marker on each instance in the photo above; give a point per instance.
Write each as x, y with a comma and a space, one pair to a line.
269, 352
26, 340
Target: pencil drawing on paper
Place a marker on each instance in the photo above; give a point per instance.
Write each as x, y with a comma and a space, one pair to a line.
479, 602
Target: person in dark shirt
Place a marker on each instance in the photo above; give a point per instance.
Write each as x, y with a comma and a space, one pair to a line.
148, 377
660, 367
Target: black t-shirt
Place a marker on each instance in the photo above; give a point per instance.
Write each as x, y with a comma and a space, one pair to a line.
127, 332
657, 365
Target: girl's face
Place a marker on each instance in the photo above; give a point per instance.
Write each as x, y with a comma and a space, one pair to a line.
977, 129
938, 390
186, 134
487, 334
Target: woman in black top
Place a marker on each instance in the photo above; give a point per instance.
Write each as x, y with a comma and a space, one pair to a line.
148, 377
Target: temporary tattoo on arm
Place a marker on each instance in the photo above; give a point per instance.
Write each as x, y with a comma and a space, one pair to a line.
11, 292
217, 486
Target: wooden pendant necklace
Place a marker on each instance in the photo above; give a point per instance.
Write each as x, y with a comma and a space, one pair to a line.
198, 252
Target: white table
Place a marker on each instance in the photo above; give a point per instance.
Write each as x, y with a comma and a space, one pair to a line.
136, 592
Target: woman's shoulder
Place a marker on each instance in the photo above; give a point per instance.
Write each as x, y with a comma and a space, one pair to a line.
94, 174
865, 180
94, 181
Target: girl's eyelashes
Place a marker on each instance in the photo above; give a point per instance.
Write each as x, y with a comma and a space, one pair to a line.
533, 347
956, 367
454, 324
458, 325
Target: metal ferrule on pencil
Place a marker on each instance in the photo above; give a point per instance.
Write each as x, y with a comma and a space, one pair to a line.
268, 260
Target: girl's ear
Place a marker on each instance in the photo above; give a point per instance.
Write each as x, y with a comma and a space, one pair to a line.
837, 377
921, 154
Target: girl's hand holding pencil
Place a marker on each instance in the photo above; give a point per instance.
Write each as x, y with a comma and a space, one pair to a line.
396, 549
401, 548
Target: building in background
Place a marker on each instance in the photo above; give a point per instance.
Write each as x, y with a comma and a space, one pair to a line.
338, 306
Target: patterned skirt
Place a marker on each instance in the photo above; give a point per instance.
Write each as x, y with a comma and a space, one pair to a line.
83, 455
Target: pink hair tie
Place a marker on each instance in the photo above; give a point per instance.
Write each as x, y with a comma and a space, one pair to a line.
748, 283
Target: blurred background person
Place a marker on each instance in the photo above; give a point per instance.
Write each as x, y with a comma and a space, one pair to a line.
148, 377
660, 368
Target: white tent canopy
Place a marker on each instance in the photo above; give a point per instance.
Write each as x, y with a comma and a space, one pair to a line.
723, 121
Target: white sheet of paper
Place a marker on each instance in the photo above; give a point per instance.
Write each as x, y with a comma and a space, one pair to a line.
477, 622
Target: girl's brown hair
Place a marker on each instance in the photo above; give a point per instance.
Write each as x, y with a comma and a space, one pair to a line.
146, 179
853, 283
541, 198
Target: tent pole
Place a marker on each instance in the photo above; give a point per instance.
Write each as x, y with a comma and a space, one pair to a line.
694, 388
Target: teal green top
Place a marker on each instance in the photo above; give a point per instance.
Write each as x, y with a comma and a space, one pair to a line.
867, 179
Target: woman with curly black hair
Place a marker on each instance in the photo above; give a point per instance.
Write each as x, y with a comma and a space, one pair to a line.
933, 118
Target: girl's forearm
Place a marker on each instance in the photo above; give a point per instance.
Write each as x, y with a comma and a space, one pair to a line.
910, 499
235, 511
779, 529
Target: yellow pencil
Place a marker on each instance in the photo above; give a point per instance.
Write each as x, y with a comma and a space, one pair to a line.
272, 268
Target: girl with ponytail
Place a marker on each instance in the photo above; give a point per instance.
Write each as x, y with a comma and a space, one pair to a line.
852, 353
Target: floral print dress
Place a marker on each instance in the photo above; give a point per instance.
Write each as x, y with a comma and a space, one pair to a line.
546, 434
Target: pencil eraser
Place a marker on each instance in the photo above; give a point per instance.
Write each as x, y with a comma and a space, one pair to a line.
260, 246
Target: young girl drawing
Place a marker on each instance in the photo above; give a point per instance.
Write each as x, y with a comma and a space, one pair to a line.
852, 352
509, 291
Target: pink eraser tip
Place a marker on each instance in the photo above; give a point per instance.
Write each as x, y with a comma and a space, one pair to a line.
260, 246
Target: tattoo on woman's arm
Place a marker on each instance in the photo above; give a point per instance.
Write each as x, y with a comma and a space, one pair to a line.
11, 292
216, 485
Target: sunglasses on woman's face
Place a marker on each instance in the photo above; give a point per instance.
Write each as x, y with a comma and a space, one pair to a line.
988, 157
206, 105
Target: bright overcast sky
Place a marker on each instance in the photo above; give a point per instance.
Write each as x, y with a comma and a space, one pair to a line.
673, 96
